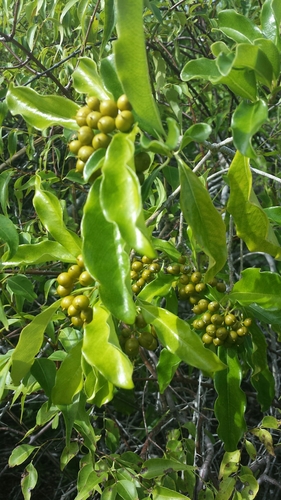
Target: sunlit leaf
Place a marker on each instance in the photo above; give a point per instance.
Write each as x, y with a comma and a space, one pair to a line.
29, 481
20, 454
87, 80
206, 223
180, 339
155, 467
102, 239
238, 27
131, 64
37, 253
166, 368
69, 377
101, 350
30, 341
230, 463
260, 287
9, 235
270, 21
42, 111
252, 224
21, 286
198, 133
246, 121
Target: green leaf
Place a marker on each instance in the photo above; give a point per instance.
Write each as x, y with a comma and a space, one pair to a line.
127, 489
109, 23
246, 121
241, 82
262, 288
264, 384
42, 111
44, 371
120, 194
201, 68
166, 368
102, 239
87, 80
91, 485
272, 54
270, 21
167, 247
20, 285
109, 76
20, 454
230, 404
238, 27
29, 481
101, 350
157, 288
69, 377
68, 453
161, 493
270, 422
197, 133
274, 214
50, 213
30, 342
230, 463
9, 234
250, 485
131, 64
206, 223
38, 253
226, 488
177, 336
252, 224
155, 467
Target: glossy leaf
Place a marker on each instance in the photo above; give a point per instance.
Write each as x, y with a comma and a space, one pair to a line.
30, 342
252, 224
131, 64
93, 480
101, 350
201, 68
126, 489
42, 111
272, 54
29, 481
69, 377
157, 288
109, 76
253, 58
265, 438
106, 259
38, 253
238, 27
230, 463
109, 22
198, 133
20, 285
270, 21
250, 484
20, 454
120, 194
9, 235
68, 453
203, 218
161, 493
262, 288
264, 384
87, 80
44, 371
230, 404
241, 82
155, 467
226, 489
166, 368
246, 122
50, 213
177, 336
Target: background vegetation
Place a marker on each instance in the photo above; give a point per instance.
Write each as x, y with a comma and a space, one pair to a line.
138, 400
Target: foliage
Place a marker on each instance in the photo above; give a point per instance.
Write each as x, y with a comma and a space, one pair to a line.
168, 234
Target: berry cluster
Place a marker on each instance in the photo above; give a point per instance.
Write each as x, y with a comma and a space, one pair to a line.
131, 339
220, 327
77, 306
142, 271
97, 120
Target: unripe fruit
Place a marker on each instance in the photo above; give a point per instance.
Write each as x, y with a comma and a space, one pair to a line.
124, 121
217, 342
74, 272
182, 293
200, 287
220, 286
193, 299
140, 282
200, 324
213, 282
146, 260
146, 275
189, 289
131, 347
242, 331
106, 124
207, 339
65, 280
196, 277
62, 291
93, 103
154, 267
173, 269
123, 103
85, 279
134, 275
81, 115
184, 279
85, 152
229, 319
146, 339
136, 288
247, 322
87, 315
85, 135
217, 319
101, 141
79, 166
211, 330
221, 333
77, 321
73, 311
108, 108
213, 306
142, 161
80, 261
203, 304
141, 177
137, 265
81, 302
232, 336
93, 118
66, 301
184, 269
74, 146
182, 259
206, 317
140, 321
196, 309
